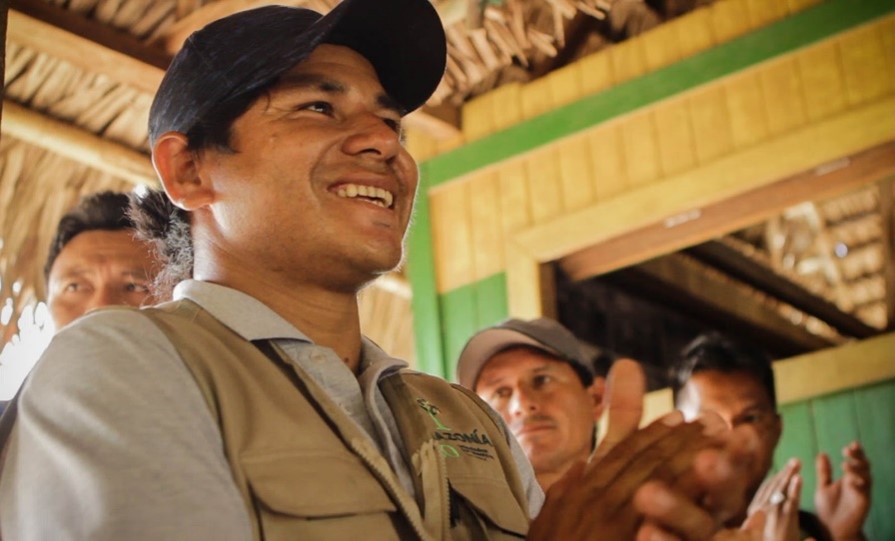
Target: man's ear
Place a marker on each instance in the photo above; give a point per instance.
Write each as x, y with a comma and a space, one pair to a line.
177, 166
777, 428
597, 391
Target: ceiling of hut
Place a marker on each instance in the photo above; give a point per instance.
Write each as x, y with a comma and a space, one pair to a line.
80, 74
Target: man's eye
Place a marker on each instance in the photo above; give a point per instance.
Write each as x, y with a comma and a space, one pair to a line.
318, 107
394, 124
502, 393
73, 287
134, 287
541, 380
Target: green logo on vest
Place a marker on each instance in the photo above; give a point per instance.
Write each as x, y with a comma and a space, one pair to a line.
432, 410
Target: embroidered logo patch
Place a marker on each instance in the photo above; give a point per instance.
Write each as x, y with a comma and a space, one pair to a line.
471, 443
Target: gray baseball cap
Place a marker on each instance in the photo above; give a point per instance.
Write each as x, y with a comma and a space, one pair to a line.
543, 333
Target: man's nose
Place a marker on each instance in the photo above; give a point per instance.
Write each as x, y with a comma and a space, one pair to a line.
106, 296
523, 402
372, 135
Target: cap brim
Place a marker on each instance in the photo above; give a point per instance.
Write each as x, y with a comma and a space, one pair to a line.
485, 345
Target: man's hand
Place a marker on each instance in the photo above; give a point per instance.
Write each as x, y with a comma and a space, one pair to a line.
774, 513
671, 480
843, 505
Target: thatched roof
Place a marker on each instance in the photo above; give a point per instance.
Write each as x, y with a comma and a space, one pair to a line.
80, 75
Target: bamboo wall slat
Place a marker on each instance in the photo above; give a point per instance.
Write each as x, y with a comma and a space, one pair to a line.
693, 129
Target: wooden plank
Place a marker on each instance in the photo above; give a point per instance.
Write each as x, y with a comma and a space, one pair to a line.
524, 281
607, 161
765, 12
459, 322
628, 60
478, 117
575, 174
515, 206
798, 441
694, 32
451, 236
835, 426
887, 222
728, 215
735, 174
77, 144
487, 235
836, 369
823, 83
711, 123
784, 107
867, 75
421, 273
507, 105
674, 135
795, 6
536, 98
661, 46
745, 105
785, 36
641, 149
596, 72
729, 19
491, 300
542, 169
878, 438
565, 85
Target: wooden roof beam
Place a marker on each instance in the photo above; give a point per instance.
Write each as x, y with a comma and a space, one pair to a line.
682, 285
77, 144
739, 266
887, 215
86, 44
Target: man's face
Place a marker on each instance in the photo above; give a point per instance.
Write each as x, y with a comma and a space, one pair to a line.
741, 400
319, 186
98, 268
545, 405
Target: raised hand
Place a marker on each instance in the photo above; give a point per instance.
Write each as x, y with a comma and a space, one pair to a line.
842, 505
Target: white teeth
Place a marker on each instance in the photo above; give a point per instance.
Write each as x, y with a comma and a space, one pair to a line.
378, 196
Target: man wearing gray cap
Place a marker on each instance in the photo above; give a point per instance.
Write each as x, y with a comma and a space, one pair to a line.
535, 374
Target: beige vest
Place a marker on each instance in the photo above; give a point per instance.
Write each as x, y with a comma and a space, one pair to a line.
307, 471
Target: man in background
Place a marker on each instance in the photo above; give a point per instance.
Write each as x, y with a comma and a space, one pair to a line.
535, 374
94, 260
736, 380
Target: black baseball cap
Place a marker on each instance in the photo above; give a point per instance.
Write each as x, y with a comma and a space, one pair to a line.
403, 39
542, 333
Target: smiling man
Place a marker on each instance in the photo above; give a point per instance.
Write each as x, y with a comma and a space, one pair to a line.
95, 260
251, 407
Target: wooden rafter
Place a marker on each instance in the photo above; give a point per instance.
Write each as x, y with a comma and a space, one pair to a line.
682, 285
77, 144
86, 44
887, 215
737, 265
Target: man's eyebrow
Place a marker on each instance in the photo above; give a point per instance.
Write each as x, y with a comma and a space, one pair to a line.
329, 85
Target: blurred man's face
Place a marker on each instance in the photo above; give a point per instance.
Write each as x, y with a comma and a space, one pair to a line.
545, 404
741, 400
99, 268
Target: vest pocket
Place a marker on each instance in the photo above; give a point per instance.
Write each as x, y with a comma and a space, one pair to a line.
494, 503
314, 486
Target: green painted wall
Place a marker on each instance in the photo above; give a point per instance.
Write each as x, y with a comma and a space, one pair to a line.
829, 423
442, 323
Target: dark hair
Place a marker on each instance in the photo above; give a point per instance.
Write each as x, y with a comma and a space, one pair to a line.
714, 351
102, 211
215, 128
166, 228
